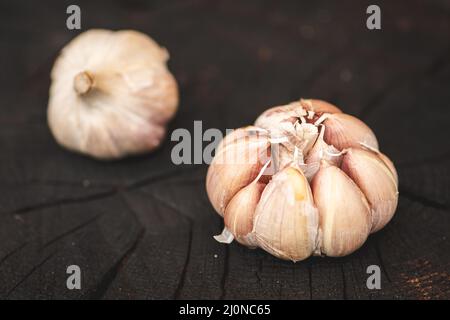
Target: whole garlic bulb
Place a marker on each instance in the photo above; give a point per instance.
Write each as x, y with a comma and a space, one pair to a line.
305, 179
111, 94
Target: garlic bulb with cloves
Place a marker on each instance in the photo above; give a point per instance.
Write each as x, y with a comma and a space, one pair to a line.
305, 180
111, 94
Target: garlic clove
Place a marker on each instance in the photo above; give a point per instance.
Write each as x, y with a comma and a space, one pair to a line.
345, 131
235, 166
240, 211
319, 106
320, 151
241, 133
375, 180
305, 136
286, 220
388, 162
273, 117
344, 213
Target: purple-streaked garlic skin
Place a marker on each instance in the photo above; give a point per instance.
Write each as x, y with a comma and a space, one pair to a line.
320, 186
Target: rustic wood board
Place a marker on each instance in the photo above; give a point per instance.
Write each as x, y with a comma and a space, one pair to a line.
142, 228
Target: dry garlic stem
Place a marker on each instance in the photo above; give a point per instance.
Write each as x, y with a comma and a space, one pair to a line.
111, 94
328, 186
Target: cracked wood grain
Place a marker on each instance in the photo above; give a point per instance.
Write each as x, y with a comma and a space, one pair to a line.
71, 231
9, 254
27, 275
158, 243
110, 275
225, 274
114, 189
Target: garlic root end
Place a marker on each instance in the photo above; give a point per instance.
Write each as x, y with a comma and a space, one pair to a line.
83, 82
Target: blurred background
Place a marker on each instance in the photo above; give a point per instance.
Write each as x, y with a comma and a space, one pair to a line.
143, 227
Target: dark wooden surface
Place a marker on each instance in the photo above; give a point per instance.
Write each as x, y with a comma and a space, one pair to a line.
143, 227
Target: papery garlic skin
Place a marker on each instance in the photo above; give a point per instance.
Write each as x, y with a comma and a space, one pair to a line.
327, 187
111, 94
319, 106
320, 151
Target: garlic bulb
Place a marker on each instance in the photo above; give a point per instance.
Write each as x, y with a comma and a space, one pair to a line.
111, 94
305, 180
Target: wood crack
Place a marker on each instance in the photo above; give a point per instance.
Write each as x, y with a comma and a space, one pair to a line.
258, 271
71, 231
63, 201
100, 195
190, 221
381, 260
146, 181
225, 273
344, 283
177, 294
28, 274
11, 253
310, 281
109, 277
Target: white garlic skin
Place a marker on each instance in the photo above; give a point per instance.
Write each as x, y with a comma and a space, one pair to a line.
111, 94
329, 186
